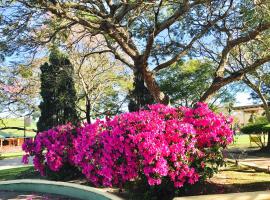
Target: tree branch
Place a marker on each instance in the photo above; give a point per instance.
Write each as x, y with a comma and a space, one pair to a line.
219, 82
235, 42
187, 47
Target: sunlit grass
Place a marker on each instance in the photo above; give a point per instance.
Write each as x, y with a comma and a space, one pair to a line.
17, 173
16, 122
242, 141
11, 155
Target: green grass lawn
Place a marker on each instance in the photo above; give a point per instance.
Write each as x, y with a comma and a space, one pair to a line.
242, 142
18, 173
16, 122
11, 155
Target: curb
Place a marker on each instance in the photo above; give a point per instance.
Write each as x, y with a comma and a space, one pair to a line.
55, 187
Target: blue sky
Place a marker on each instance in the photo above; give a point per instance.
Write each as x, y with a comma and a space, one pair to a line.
243, 98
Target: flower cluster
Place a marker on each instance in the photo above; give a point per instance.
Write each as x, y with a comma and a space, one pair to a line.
50, 148
158, 143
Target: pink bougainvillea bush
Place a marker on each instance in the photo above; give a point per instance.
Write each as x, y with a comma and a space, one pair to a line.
50, 148
182, 145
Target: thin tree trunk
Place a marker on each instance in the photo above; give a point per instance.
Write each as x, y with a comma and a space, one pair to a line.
267, 113
88, 110
257, 90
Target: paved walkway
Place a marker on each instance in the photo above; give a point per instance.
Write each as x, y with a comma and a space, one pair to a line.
259, 163
10, 149
261, 195
9, 163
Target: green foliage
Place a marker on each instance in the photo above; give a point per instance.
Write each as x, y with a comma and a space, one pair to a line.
261, 120
58, 92
18, 173
266, 128
186, 81
101, 85
255, 12
254, 129
18, 90
260, 125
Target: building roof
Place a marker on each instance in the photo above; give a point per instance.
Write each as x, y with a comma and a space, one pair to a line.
248, 106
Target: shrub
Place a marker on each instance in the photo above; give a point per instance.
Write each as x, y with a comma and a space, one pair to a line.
159, 145
266, 128
50, 148
254, 128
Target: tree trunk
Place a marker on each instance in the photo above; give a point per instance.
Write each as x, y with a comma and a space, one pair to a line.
267, 112
266, 109
146, 91
88, 110
140, 96
154, 89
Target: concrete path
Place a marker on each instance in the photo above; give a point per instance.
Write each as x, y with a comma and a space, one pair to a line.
261, 195
9, 163
259, 163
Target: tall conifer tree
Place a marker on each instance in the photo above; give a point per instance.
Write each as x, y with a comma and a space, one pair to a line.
57, 92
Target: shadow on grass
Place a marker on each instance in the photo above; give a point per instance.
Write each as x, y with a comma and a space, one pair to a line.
19, 173
214, 188
198, 189
259, 153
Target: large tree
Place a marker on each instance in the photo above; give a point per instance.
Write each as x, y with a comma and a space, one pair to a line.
147, 36
57, 92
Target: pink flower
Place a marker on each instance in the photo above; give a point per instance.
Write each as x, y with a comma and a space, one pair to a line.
162, 142
25, 159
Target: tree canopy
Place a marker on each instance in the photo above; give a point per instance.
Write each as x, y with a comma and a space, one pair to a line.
147, 36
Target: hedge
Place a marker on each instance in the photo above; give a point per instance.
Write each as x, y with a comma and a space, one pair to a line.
255, 128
